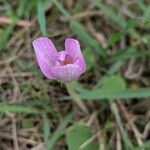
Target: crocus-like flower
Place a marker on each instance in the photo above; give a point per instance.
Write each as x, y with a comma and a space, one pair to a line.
65, 65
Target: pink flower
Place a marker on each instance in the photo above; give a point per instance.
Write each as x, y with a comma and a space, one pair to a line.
65, 65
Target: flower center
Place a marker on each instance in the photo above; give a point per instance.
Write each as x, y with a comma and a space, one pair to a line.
68, 60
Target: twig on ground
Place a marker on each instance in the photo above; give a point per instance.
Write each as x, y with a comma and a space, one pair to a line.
146, 131
14, 134
17, 94
22, 23
14, 130
91, 119
19, 75
124, 135
87, 142
130, 74
97, 34
20, 139
118, 140
131, 123
39, 147
83, 15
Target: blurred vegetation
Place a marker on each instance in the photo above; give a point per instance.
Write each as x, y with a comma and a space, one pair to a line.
37, 113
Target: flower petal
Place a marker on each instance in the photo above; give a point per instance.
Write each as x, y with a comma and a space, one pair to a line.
80, 62
73, 48
67, 73
46, 55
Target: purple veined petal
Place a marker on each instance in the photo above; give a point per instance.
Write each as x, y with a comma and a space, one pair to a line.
73, 48
45, 49
46, 55
46, 70
80, 62
67, 73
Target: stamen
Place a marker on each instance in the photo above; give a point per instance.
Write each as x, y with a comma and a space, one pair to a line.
68, 60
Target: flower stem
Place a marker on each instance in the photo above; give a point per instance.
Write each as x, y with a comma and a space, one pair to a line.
75, 97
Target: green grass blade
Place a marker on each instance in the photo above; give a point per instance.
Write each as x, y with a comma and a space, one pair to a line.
130, 24
41, 17
127, 53
21, 8
99, 94
46, 130
58, 132
17, 109
146, 17
9, 10
61, 8
5, 36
